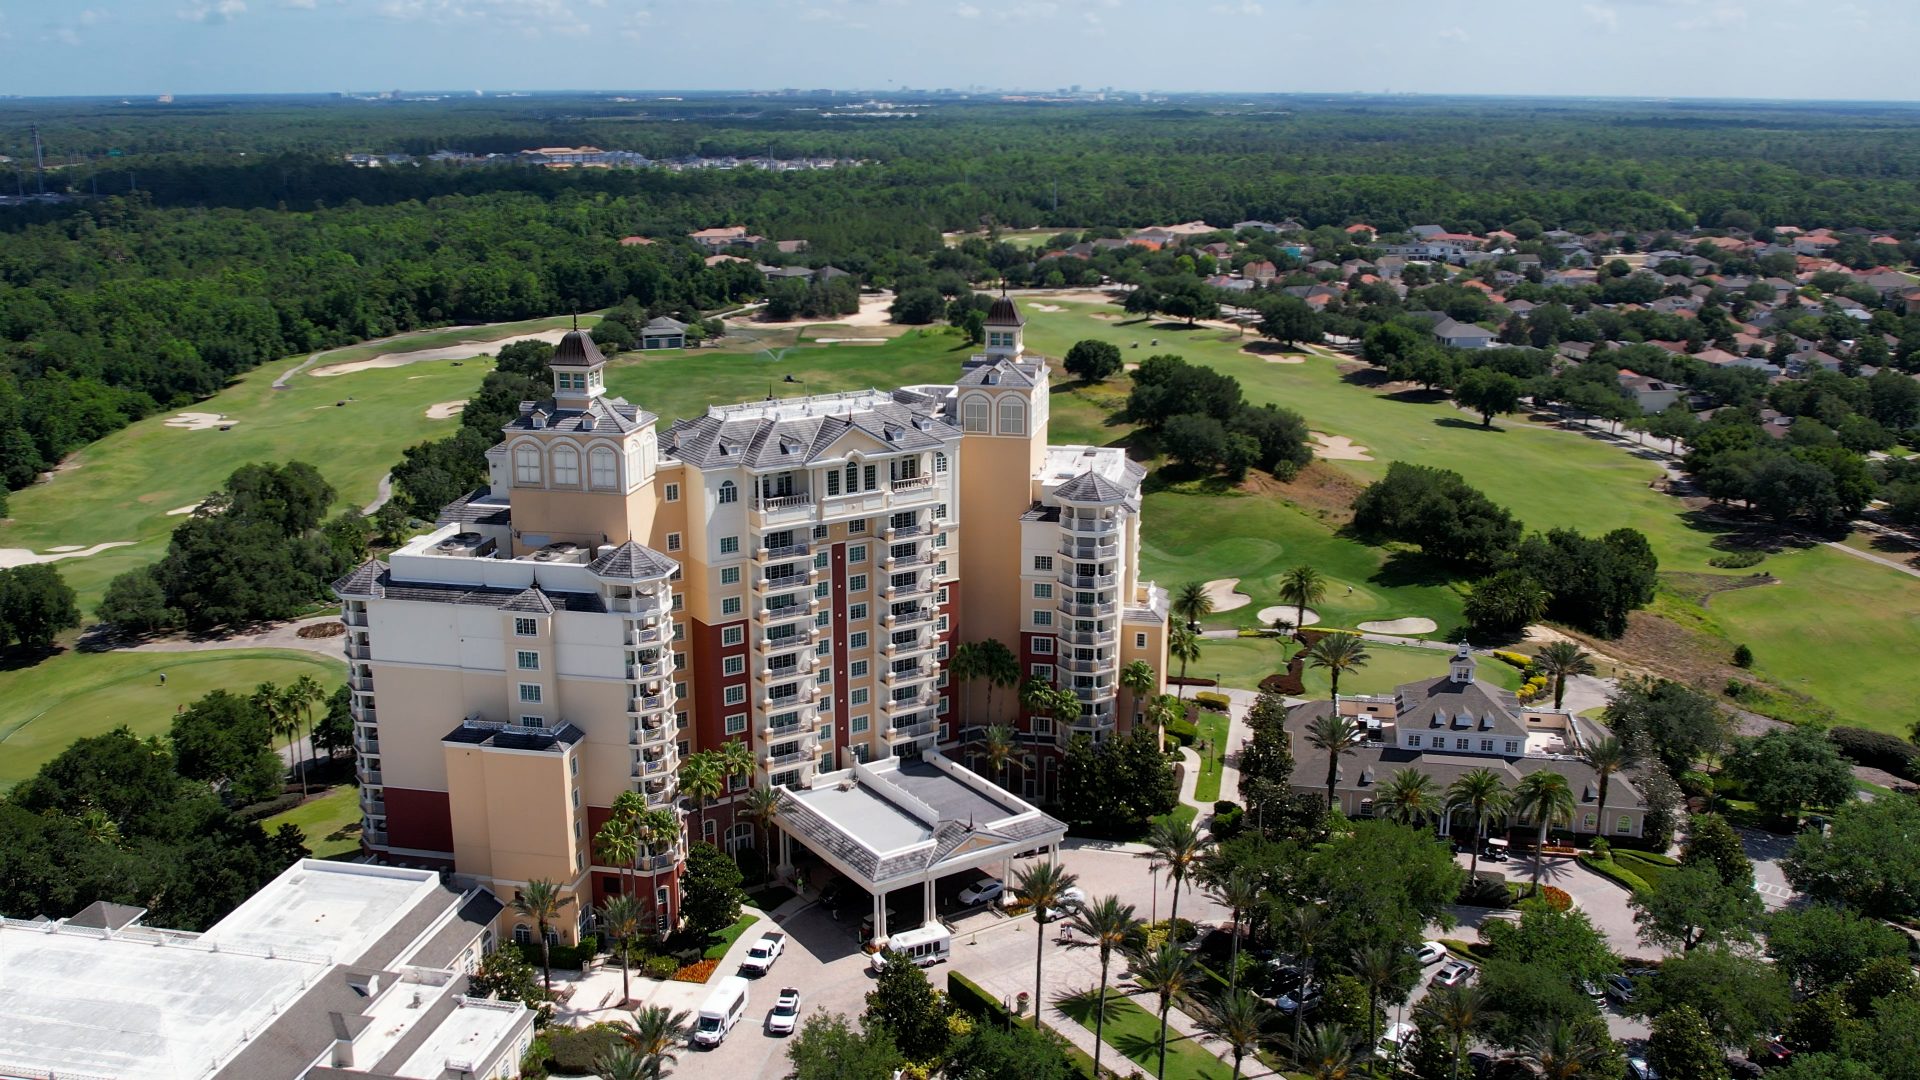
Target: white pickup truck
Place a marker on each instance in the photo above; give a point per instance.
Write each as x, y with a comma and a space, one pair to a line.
759, 959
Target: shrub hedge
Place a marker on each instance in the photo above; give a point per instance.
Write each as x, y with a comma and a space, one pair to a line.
1207, 699
968, 997
1738, 560
1615, 873
1878, 750
1183, 731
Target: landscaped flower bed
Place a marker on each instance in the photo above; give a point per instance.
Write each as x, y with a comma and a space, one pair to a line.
697, 972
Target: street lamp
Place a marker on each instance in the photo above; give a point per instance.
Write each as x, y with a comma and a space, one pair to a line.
1153, 872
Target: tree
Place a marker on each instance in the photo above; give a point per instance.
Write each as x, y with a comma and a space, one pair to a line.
992, 1052
1408, 798
760, 807
1668, 721
1240, 893
35, 605
1456, 1013
1712, 842
1543, 797
1788, 770
1183, 645
1865, 859
622, 918
963, 667
226, 742
1739, 996
277, 707
1382, 971
506, 975
1692, 907
1569, 1049
1336, 653
1560, 660
1178, 847
136, 604
999, 667
1041, 887
1138, 678
1820, 946
1437, 510
1482, 795
905, 1004
1382, 884
1093, 360
1333, 735
828, 1048
1289, 320
657, 1032
1488, 392
1192, 603
301, 695
1302, 586
1591, 583
736, 760
997, 742
1505, 601
541, 901
918, 306
1236, 1018
709, 890
1327, 1052
1165, 972
621, 1063
1109, 926
1606, 756
702, 778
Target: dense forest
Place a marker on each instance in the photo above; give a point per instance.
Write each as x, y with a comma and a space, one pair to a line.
211, 236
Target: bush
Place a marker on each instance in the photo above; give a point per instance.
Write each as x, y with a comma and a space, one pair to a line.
1182, 732
279, 804
576, 1051
1613, 872
1877, 750
1601, 848
1742, 657
1519, 660
660, 967
1487, 889
1207, 699
1738, 560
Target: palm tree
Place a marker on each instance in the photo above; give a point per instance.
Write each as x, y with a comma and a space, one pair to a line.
1334, 735
617, 844
305, 691
274, 704
1605, 756
1302, 586
1164, 972
702, 777
1107, 925
1482, 795
997, 743
1302, 928
542, 902
657, 1033
1192, 603
621, 1063
1338, 653
1138, 678
1178, 846
1457, 1010
1183, 645
1239, 891
761, 807
1327, 1053
999, 667
1040, 887
1408, 798
736, 760
1559, 660
964, 667
1380, 970
1236, 1019
659, 833
1565, 1050
1543, 797
623, 919
1164, 709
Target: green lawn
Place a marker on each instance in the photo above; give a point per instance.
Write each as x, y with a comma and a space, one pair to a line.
331, 822
1242, 662
1213, 737
726, 938
1135, 1033
74, 695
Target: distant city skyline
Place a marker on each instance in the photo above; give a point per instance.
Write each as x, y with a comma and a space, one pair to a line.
1597, 48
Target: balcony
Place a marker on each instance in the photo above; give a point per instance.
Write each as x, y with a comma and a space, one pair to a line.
922, 586
912, 674
782, 508
657, 767
911, 618
366, 746
1087, 551
906, 532
794, 578
913, 731
1088, 581
920, 557
645, 635
371, 778
774, 554
354, 618
914, 490
801, 665
365, 714
1086, 527
921, 644
373, 804
361, 683
801, 700
923, 700
1086, 611
646, 703
787, 612
637, 604
1094, 693
662, 798
373, 837
359, 652
1087, 637
776, 761
654, 670
799, 637
1084, 667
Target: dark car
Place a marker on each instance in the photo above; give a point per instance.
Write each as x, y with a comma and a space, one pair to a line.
1305, 1004
1619, 988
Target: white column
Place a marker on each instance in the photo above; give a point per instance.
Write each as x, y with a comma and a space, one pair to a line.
926, 902
785, 869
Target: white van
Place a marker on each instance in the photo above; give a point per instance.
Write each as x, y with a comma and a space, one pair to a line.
723, 1009
925, 946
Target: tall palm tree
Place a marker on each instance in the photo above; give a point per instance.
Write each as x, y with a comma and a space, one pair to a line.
1337, 653
274, 704
304, 693
1605, 756
1482, 795
1040, 887
1459, 1011
761, 807
1328, 1052
1334, 735
1240, 892
618, 844
1560, 659
1301, 929
1178, 846
1407, 797
1138, 678
1105, 924
657, 1033
1164, 972
621, 1063
1566, 1050
999, 667
542, 902
997, 743
1237, 1019
623, 919
1192, 603
702, 777
1543, 797
1164, 709
1380, 969
660, 833
1302, 586
964, 667
736, 760
1183, 645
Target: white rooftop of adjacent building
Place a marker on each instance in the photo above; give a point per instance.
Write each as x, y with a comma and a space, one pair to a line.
465, 1037
331, 911
1063, 463
800, 408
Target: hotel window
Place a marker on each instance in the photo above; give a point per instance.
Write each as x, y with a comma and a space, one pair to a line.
940, 541
1013, 416
736, 723
1513, 747
729, 545
533, 721
824, 648
730, 605
854, 528
820, 560
1043, 672
939, 511
526, 627
526, 465
530, 693
680, 722
1043, 590
1624, 825
823, 620
857, 612
858, 725
673, 541
857, 669
973, 414
603, 469
857, 583
1486, 746
1043, 618
1043, 564
729, 575
679, 603
939, 462
857, 552
857, 696
733, 695
566, 466
733, 665
833, 483
1139, 641
1043, 646
729, 492
824, 677
1462, 744
941, 598
820, 533
527, 661
940, 568
857, 640
867, 475
1590, 820
732, 635
673, 492
853, 478
940, 625
1413, 740
679, 629
823, 590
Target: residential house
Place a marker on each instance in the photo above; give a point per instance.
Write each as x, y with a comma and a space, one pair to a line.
663, 333
1652, 395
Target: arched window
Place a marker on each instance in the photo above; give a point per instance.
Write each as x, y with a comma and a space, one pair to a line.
740, 837
729, 492
1013, 416
939, 462
604, 468
566, 467
973, 414
526, 465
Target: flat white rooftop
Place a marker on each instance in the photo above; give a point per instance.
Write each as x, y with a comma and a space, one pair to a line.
799, 408
464, 1038
877, 824
1063, 463
334, 911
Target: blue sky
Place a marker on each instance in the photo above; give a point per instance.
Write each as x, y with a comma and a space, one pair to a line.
1646, 48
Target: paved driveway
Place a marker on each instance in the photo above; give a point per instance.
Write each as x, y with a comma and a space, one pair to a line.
1769, 880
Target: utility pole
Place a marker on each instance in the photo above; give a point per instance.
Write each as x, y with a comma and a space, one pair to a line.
39, 163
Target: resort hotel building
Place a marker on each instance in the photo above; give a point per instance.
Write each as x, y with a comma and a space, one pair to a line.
790, 574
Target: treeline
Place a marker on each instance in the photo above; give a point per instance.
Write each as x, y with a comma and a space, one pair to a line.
1202, 422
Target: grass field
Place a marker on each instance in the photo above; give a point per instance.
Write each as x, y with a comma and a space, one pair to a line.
331, 822
1135, 1033
74, 695
1242, 662
1213, 734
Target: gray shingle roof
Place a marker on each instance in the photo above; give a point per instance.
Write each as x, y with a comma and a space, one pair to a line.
1091, 487
632, 562
531, 601
367, 580
1489, 710
763, 443
475, 508
999, 371
614, 416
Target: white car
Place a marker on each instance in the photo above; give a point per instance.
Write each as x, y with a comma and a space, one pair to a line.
1453, 973
1071, 900
786, 1012
1639, 1069
1393, 1043
1430, 953
981, 892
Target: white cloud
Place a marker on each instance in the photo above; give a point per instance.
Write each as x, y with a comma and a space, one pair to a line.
215, 11
1717, 17
1454, 34
532, 17
967, 11
303, 5
1603, 16
1244, 7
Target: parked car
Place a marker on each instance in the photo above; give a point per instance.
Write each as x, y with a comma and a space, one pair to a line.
1619, 988
982, 892
1453, 973
1771, 1054
760, 957
1303, 1002
786, 1012
1071, 900
1638, 1068
1430, 953
1393, 1042
1593, 991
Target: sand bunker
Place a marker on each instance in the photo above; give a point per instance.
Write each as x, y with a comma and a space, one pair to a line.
445, 409
1130, 367
12, 557
1400, 626
1284, 359
1290, 613
199, 421
1049, 308
457, 351
1225, 594
849, 340
179, 511
1338, 448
